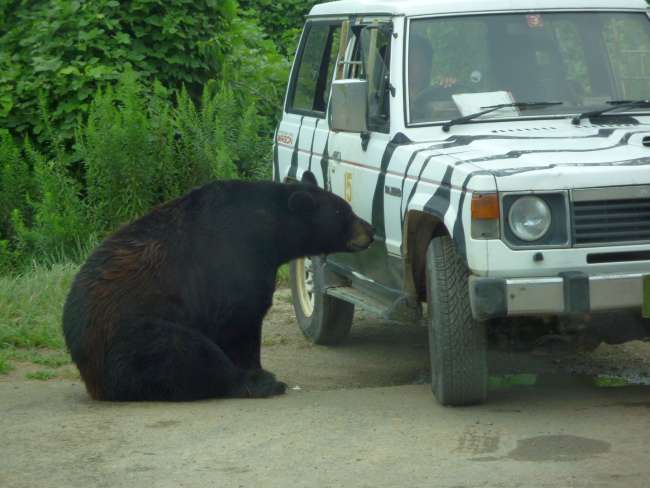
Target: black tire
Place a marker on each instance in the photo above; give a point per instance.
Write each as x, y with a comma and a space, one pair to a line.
457, 342
329, 322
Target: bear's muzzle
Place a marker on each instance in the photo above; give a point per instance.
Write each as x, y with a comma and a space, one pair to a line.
361, 238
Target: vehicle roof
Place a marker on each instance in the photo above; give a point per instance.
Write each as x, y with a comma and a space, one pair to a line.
432, 7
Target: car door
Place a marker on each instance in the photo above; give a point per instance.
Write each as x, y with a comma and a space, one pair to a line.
302, 136
355, 161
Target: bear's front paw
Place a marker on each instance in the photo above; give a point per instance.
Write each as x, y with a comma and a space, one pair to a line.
260, 384
280, 388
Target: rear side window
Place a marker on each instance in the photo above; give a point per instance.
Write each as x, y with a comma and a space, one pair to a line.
314, 68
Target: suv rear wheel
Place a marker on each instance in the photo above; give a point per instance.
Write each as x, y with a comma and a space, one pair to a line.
457, 342
323, 319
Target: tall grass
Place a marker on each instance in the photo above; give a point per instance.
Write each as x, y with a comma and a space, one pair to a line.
31, 305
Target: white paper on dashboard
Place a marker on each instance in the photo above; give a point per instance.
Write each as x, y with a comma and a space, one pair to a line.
471, 103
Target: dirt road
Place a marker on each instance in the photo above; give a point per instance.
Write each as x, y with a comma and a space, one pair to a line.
359, 415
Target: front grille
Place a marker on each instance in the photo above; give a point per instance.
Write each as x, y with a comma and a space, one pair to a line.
611, 221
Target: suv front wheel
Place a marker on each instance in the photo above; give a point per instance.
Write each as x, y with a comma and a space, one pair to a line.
457, 342
323, 319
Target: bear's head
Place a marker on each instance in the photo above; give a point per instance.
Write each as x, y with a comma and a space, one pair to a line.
329, 225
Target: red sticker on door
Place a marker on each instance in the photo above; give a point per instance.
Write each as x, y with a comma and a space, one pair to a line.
284, 138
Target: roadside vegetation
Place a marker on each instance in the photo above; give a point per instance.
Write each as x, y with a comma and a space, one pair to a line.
107, 111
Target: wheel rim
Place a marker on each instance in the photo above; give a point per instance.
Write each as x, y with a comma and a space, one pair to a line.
305, 285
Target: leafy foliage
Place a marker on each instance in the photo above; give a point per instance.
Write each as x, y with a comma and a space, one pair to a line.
109, 108
282, 20
67, 48
56, 221
254, 68
121, 153
139, 148
15, 181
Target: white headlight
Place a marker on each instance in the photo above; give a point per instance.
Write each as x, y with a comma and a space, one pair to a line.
529, 218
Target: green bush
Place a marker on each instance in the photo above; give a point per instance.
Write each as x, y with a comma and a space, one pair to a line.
222, 140
58, 227
254, 68
15, 182
282, 20
138, 148
139, 154
122, 106
121, 154
201, 146
67, 48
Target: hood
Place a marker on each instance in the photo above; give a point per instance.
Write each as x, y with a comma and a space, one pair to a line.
551, 158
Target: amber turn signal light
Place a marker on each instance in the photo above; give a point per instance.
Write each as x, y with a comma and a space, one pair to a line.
485, 206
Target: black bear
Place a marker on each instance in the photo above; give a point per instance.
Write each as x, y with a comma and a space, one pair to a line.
170, 307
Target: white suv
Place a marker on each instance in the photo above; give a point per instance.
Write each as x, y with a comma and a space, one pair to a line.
500, 149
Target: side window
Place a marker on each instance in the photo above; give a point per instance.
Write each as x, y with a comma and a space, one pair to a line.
626, 41
371, 61
375, 46
314, 69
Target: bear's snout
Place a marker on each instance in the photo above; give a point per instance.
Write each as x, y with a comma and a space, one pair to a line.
361, 237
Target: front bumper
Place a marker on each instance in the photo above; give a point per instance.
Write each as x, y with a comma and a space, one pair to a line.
571, 293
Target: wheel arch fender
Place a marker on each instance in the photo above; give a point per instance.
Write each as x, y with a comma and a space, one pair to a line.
420, 227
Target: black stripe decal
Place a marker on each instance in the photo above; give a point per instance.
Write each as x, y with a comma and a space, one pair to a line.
325, 163
458, 234
378, 198
459, 229
313, 138
294, 156
527, 169
417, 182
517, 154
406, 172
438, 204
461, 140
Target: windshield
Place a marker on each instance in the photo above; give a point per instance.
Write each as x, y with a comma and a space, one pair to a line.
458, 65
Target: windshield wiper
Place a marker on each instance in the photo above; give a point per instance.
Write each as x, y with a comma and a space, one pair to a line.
524, 105
616, 105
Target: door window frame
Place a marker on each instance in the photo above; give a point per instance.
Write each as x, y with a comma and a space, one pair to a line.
298, 63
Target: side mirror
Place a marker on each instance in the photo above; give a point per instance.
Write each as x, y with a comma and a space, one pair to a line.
349, 106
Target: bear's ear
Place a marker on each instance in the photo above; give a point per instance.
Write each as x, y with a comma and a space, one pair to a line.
302, 202
309, 179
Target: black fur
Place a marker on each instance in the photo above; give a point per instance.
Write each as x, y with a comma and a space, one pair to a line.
170, 307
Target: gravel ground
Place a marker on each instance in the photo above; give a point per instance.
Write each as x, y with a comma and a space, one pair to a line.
380, 353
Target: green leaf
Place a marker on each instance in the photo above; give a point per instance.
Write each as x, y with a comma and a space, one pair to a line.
6, 104
154, 20
43, 64
100, 71
69, 70
123, 38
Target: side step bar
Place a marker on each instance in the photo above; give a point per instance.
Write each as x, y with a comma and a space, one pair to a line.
399, 310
